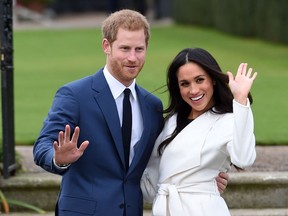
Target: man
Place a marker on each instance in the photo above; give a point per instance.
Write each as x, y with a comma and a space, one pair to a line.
96, 180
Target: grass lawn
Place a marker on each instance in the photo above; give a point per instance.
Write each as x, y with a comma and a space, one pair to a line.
46, 59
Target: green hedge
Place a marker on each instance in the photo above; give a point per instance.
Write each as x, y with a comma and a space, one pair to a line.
265, 19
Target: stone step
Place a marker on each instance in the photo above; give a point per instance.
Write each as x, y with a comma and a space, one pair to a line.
246, 190
257, 190
234, 212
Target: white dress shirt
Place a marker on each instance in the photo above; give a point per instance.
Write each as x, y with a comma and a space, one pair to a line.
117, 89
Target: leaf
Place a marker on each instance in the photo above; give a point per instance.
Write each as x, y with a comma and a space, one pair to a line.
4, 203
28, 206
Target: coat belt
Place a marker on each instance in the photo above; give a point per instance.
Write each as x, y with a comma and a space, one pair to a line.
169, 194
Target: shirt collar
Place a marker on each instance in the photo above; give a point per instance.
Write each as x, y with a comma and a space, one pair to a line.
117, 87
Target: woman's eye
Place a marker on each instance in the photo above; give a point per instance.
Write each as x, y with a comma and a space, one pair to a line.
199, 80
184, 84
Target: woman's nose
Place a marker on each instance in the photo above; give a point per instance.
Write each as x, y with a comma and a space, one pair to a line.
193, 89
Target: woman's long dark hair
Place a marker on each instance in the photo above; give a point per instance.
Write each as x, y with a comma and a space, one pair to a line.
222, 94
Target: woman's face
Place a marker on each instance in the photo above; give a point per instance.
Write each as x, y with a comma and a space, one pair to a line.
196, 88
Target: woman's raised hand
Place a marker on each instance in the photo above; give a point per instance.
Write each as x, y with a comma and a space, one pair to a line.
241, 84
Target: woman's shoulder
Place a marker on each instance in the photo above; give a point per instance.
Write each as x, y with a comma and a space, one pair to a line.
170, 124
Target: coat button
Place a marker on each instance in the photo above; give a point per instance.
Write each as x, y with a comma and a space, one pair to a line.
121, 205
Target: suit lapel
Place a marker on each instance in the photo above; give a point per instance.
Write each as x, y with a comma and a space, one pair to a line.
106, 102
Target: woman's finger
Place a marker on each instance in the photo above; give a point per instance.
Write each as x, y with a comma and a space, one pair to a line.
244, 68
249, 72
240, 68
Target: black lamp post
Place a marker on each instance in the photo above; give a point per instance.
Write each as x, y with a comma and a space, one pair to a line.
7, 87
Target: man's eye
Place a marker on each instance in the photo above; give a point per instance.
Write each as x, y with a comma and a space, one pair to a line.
139, 49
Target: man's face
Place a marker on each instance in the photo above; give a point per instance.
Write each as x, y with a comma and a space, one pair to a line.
126, 55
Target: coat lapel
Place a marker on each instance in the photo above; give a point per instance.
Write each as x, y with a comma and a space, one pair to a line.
186, 146
106, 102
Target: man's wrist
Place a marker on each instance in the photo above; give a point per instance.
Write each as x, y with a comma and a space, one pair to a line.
60, 166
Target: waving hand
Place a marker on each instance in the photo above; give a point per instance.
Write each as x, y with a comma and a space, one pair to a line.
241, 84
66, 150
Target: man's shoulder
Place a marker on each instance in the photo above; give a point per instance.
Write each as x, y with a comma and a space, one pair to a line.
146, 94
84, 80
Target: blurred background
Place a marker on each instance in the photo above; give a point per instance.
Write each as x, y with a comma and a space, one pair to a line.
267, 20
31, 9
58, 41
51, 54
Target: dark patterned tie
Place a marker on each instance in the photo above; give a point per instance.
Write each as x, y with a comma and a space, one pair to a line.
126, 125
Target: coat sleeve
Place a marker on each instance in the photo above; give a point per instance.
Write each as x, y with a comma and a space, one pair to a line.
242, 146
150, 178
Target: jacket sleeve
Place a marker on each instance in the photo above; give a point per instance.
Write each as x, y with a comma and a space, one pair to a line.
242, 146
64, 110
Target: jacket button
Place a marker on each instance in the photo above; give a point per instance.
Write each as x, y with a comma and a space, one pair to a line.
121, 205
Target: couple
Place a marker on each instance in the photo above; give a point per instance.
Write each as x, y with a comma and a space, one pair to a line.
95, 179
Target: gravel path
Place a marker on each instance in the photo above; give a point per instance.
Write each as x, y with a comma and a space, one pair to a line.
269, 158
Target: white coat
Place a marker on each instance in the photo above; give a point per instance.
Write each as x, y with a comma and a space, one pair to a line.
182, 181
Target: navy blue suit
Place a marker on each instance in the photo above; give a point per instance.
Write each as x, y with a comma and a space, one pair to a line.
97, 184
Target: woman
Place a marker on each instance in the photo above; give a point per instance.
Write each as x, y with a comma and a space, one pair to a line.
209, 126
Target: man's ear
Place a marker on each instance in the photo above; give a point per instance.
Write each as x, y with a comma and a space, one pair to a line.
106, 46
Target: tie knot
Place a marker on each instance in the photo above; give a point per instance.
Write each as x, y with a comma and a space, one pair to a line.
127, 92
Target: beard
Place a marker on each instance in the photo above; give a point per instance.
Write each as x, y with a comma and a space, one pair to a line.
124, 71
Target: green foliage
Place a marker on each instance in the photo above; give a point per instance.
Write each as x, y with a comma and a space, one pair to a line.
197, 12
6, 203
1, 153
46, 59
263, 19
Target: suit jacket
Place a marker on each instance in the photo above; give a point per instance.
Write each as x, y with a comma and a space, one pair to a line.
97, 184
